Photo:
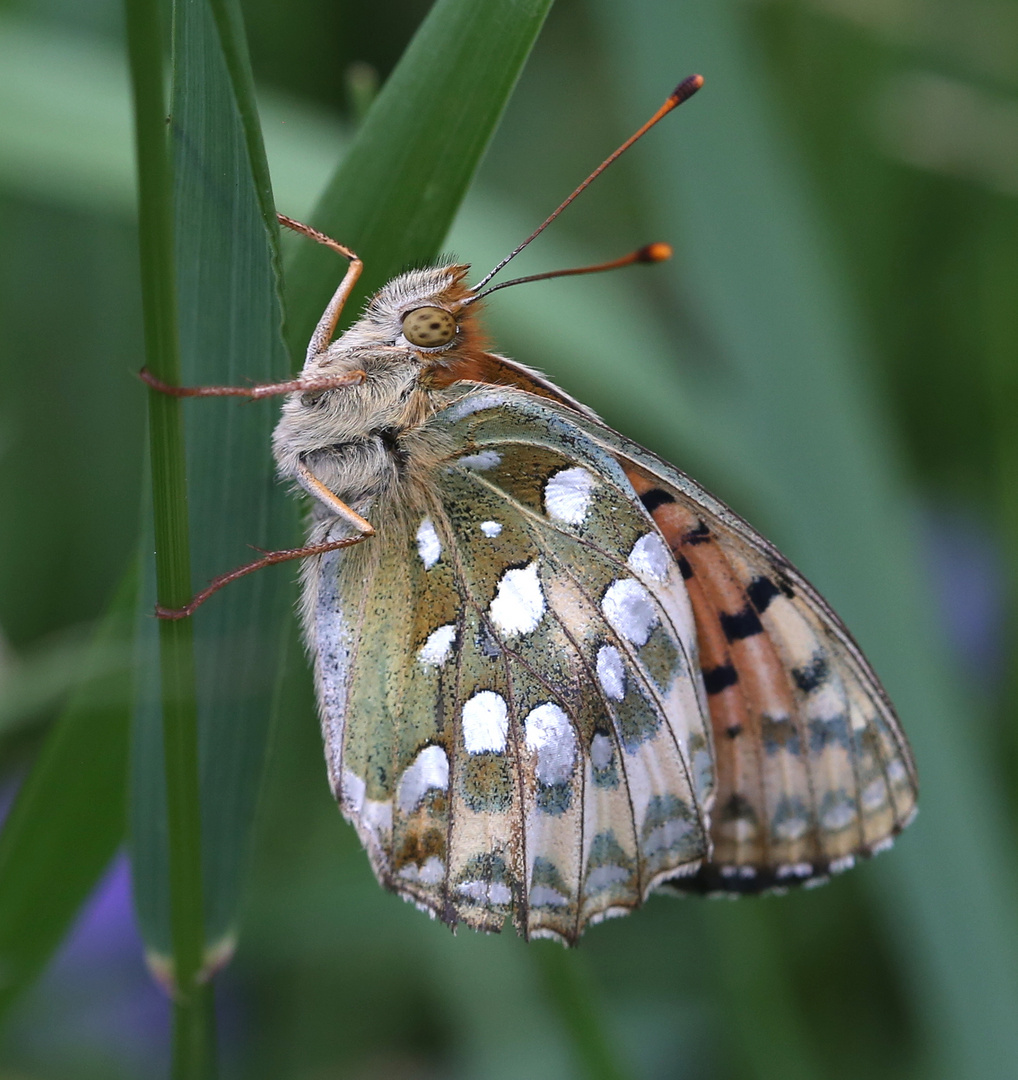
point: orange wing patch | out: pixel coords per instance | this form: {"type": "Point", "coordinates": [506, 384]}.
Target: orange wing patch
{"type": "Point", "coordinates": [809, 773]}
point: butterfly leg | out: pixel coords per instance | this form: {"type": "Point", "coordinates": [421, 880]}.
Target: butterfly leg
{"type": "Point", "coordinates": [317, 490]}
{"type": "Point", "coordinates": [320, 339]}
{"type": "Point", "coordinates": [270, 558]}
{"type": "Point", "coordinates": [330, 317]}
{"type": "Point", "coordinates": [304, 384]}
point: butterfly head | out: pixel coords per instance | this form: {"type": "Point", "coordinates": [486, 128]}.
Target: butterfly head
{"type": "Point", "coordinates": [425, 312]}
{"type": "Point", "coordinates": [418, 331]}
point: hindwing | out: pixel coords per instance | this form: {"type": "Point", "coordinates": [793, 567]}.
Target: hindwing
{"type": "Point", "coordinates": [510, 683]}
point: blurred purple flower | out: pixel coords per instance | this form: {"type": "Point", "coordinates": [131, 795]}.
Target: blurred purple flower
{"type": "Point", "coordinates": [969, 581]}
{"type": "Point", "coordinates": [95, 1003]}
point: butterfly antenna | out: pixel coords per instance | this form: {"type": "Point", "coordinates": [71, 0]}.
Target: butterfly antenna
{"type": "Point", "coordinates": [649, 253]}
{"type": "Point", "coordinates": [683, 92]}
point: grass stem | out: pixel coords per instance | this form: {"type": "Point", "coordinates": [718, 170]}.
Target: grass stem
{"type": "Point", "coordinates": [192, 1028]}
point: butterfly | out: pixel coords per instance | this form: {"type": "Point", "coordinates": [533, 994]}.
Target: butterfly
{"type": "Point", "coordinates": [554, 673]}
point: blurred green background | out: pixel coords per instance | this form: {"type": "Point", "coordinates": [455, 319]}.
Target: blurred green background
{"type": "Point", "coordinates": [834, 350]}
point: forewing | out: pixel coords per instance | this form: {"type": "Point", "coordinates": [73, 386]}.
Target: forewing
{"type": "Point", "coordinates": [514, 717]}
{"type": "Point", "coordinates": [813, 767]}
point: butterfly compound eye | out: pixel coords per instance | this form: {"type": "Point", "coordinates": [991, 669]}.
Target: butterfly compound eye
{"type": "Point", "coordinates": [429, 327]}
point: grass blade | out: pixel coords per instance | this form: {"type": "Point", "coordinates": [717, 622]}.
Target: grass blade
{"type": "Point", "coordinates": [179, 812]}
{"type": "Point", "coordinates": [394, 196]}
{"type": "Point", "coordinates": [569, 988]}
{"type": "Point", "coordinates": [225, 248]}
{"type": "Point", "coordinates": [68, 818]}
{"type": "Point", "coordinates": [230, 333]}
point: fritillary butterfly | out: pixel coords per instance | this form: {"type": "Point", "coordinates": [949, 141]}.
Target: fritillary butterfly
{"type": "Point", "coordinates": [554, 673]}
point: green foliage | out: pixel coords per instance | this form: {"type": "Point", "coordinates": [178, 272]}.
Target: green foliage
{"type": "Point", "coordinates": [394, 196]}
{"type": "Point", "coordinates": [832, 351]}
{"type": "Point", "coordinates": [68, 817]}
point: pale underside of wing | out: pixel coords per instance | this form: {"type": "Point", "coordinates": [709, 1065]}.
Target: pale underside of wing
{"type": "Point", "coordinates": [813, 768]}
{"type": "Point", "coordinates": [509, 682]}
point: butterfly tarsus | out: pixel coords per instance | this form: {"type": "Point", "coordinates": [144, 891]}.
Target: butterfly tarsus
{"type": "Point", "coordinates": [314, 487]}
{"type": "Point", "coordinates": [270, 558]}
{"type": "Point", "coordinates": [319, 340]}
{"type": "Point", "coordinates": [318, 237]}
{"type": "Point", "coordinates": [304, 384]}
{"type": "Point", "coordinates": [326, 327]}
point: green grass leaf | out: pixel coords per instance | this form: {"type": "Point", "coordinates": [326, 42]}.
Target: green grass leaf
{"type": "Point", "coordinates": [394, 196]}
{"type": "Point", "coordinates": [69, 815]}
{"type": "Point", "coordinates": [170, 712]}
{"type": "Point", "coordinates": [229, 333]}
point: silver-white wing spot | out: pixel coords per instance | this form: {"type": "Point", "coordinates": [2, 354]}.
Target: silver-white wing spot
{"type": "Point", "coordinates": [896, 772]}
{"type": "Point", "coordinates": [376, 818]}
{"type": "Point", "coordinates": [874, 795]}
{"type": "Point", "coordinates": [667, 834]}
{"type": "Point", "coordinates": [601, 750]}
{"type": "Point", "coordinates": [791, 829]}
{"type": "Point", "coordinates": [793, 870]}
{"type": "Point", "coordinates": [567, 495]}
{"type": "Point", "coordinates": [650, 558]}
{"type": "Point", "coordinates": [549, 734]}
{"type": "Point", "coordinates": [438, 648]}
{"type": "Point", "coordinates": [491, 528]}
{"type": "Point", "coordinates": [486, 459]}
{"type": "Point", "coordinates": [519, 602]}
{"type": "Point", "coordinates": [354, 790]}
{"type": "Point", "coordinates": [545, 896]}
{"type": "Point", "coordinates": [431, 873]}
{"type": "Point", "coordinates": [485, 723]}
{"type": "Point", "coordinates": [490, 892]}
{"type": "Point", "coordinates": [429, 547]}
{"type": "Point", "coordinates": [603, 876]}
{"type": "Point", "coordinates": [840, 814]}
{"type": "Point", "coordinates": [629, 610]}
{"type": "Point", "coordinates": [430, 769]}
{"type": "Point", "coordinates": [610, 672]}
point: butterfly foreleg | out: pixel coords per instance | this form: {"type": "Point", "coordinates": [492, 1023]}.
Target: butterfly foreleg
{"type": "Point", "coordinates": [317, 490]}
{"type": "Point", "coordinates": [326, 327]}
{"type": "Point", "coordinates": [314, 487]}
{"type": "Point", "coordinates": [319, 342]}
{"type": "Point", "coordinates": [304, 384]}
